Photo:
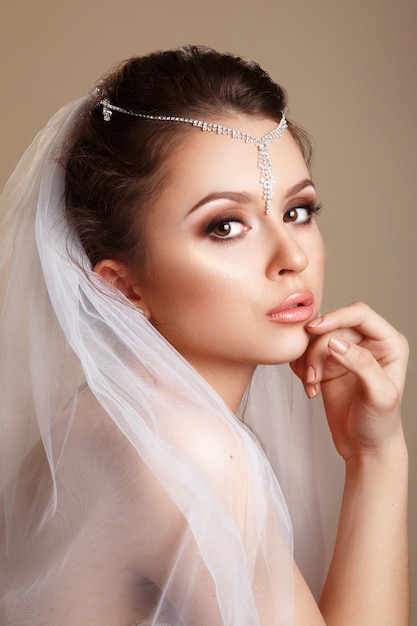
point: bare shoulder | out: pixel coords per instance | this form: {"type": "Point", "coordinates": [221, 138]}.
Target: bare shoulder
{"type": "Point", "coordinates": [103, 451]}
{"type": "Point", "coordinates": [211, 440]}
{"type": "Point", "coordinates": [110, 528]}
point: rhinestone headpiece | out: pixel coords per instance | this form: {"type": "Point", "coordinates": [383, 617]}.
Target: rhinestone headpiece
{"type": "Point", "coordinates": [262, 143]}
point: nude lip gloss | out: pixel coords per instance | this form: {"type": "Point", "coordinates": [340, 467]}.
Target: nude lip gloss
{"type": "Point", "coordinates": [298, 307]}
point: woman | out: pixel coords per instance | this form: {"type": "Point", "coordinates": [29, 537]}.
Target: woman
{"type": "Point", "coordinates": [157, 455]}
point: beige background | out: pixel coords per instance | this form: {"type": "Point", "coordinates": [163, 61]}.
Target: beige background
{"type": "Point", "coordinates": [350, 70]}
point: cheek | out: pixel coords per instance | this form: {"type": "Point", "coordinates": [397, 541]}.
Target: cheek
{"type": "Point", "coordinates": [314, 247]}
{"type": "Point", "coordinates": [319, 256]}
{"type": "Point", "coordinates": [317, 260]}
{"type": "Point", "coordinates": [322, 257]}
{"type": "Point", "coordinates": [176, 285]}
{"type": "Point", "coordinates": [193, 288]}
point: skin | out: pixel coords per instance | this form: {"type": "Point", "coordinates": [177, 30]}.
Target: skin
{"type": "Point", "coordinates": [212, 300]}
{"type": "Point", "coordinates": [210, 295]}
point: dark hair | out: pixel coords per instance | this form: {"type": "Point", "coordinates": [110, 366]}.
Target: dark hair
{"type": "Point", "coordinates": [114, 169]}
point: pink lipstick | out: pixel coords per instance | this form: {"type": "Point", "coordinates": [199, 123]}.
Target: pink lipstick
{"type": "Point", "coordinates": [298, 307]}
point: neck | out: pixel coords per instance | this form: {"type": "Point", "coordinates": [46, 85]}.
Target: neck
{"type": "Point", "coordinates": [229, 380]}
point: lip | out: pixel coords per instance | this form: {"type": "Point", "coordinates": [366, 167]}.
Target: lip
{"type": "Point", "coordinates": [298, 307]}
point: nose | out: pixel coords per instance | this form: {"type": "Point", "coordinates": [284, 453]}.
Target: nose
{"type": "Point", "coordinates": [287, 254]}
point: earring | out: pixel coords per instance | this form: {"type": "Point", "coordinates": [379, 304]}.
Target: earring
{"type": "Point", "coordinates": [140, 310]}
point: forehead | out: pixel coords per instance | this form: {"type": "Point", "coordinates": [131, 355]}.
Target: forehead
{"type": "Point", "coordinates": [204, 162]}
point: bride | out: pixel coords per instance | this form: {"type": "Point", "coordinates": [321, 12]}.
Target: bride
{"type": "Point", "coordinates": [162, 343]}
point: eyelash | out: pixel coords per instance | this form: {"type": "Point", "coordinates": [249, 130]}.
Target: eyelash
{"type": "Point", "coordinates": [219, 221]}
{"type": "Point", "coordinates": [312, 209]}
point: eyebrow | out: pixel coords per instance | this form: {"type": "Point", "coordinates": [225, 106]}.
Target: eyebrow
{"type": "Point", "coordinates": [307, 182]}
{"type": "Point", "coordinates": [243, 197]}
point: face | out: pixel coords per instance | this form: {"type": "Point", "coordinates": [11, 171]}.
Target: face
{"type": "Point", "coordinates": [229, 286]}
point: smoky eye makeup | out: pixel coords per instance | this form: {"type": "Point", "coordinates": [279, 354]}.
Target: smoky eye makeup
{"type": "Point", "coordinates": [225, 227]}
{"type": "Point", "coordinates": [302, 213]}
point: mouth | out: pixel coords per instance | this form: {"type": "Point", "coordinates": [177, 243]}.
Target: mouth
{"type": "Point", "coordinates": [298, 307]}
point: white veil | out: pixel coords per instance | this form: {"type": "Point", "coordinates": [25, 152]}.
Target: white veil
{"type": "Point", "coordinates": [109, 438]}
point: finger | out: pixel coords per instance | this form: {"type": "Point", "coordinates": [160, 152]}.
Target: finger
{"type": "Point", "coordinates": [388, 346]}
{"type": "Point", "coordinates": [378, 391]}
{"type": "Point", "coordinates": [357, 315]}
{"type": "Point", "coordinates": [308, 376]}
{"type": "Point", "coordinates": [310, 365]}
{"type": "Point", "coordinates": [316, 357]}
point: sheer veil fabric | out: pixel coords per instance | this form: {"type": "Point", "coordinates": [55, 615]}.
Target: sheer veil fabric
{"type": "Point", "coordinates": [130, 493]}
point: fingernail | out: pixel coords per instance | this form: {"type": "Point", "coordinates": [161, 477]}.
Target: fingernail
{"type": "Point", "coordinates": [336, 344]}
{"type": "Point", "coordinates": [315, 322]}
{"type": "Point", "coordinates": [311, 375]}
{"type": "Point", "coordinates": [312, 390]}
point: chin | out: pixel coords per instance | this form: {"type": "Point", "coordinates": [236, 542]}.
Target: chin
{"type": "Point", "coordinates": [288, 350]}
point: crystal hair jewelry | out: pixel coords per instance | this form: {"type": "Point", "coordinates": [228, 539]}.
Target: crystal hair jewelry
{"type": "Point", "coordinates": [262, 143]}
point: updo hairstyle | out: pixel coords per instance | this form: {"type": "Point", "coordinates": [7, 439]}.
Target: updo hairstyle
{"type": "Point", "coordinates": [114, 169]}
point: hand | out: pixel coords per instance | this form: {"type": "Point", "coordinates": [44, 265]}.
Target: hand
{"type": "Point", "coordinates": [358, 362]}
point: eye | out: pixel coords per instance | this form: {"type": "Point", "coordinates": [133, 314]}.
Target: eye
{"type": "Point", "coordinates": [301, 214]}
{"type": "Point", "coordinates": [226, 229]}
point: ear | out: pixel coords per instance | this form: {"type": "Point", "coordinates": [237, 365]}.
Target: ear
{"type": "Point", "coordinates": [117, 275]}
